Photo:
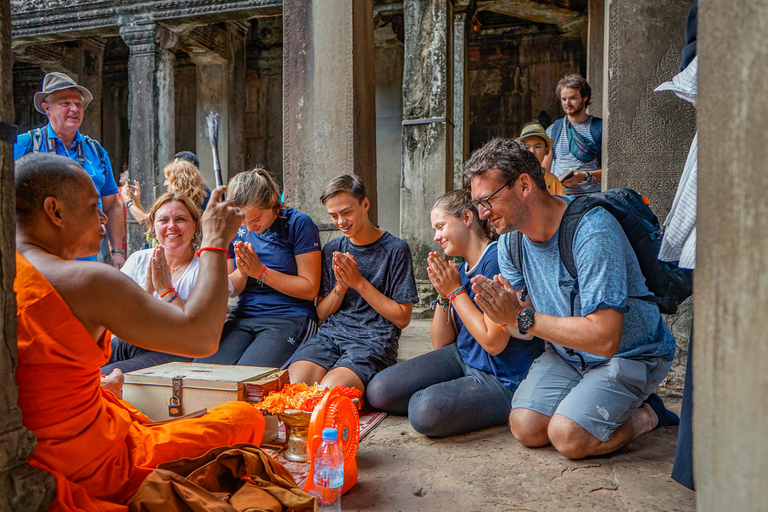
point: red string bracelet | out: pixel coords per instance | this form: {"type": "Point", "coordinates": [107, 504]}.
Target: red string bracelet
{"type": "Point", "coordinates": [456, 293]}
{"type": "Point", "coordinates": [200, 250]}
{"type": "Point", "coordinates": [170, 290]}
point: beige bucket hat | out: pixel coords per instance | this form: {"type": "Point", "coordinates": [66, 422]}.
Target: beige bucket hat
{"type": "Point", "coordinates": [53, 82]}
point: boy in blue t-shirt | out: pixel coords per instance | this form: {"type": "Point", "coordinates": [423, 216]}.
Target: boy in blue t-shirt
{"type": "Point", "coordinates": [366, 296]}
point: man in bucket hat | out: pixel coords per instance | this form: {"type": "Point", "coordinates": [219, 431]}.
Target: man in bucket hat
{"type": "Point", "coordinates": [64, 102]}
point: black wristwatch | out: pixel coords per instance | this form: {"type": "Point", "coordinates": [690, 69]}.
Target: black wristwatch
{"type": "Point", "coordinates": [589, 177]}
{"type": "Point", "coordinates": [117, 251]}
{"type": "Point", "coordinates": [525, 321]}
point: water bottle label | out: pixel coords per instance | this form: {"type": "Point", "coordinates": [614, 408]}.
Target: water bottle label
{"type": "Point", "coordinates": [329, 477]}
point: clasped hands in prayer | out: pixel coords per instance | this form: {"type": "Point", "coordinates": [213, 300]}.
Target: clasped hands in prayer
{"type": "Point", "coordinates": [158, 273]}
{"type": "Point", "coordinates": [444, 274]}
{"type": "Point", "coordinates": [346, 270]}
{"type": "Point", "coordinates": [498, 299]}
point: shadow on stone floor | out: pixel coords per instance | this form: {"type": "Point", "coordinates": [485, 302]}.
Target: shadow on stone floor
{"type": "Point", "coordinates": [402, 470]}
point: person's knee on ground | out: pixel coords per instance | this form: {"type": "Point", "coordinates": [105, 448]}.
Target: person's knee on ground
{"type": "Point", "coordinates": [529, 427]}
{"type": "Point", "coordinates": [571, 439]}
{"type": "Point", "coordinates": [425, 418]}
{"type": "Point", "coordinates": [379, 394]}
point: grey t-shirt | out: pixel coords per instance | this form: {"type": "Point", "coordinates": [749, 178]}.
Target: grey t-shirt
{"type": "Point", "coordinates": [386, 264]}
{"type": "Point", "coordinates": [564, 160]}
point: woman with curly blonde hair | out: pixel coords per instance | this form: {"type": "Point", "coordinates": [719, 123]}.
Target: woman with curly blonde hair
{"type": "Point", "coordinates": [181, 177]}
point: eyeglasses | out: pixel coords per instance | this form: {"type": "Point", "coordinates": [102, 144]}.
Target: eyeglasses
{"type": "Point", "coordinates": [485, 202]}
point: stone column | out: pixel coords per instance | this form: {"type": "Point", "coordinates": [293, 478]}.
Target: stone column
{"type": "Point", "coordinates": [730, 352]}
{"type": "Point", "coordinates": [91, 68]}
{"type": "Point", "coordinates": [329, 117]}
{"type": "Point", "coordinates": [150, 105]}
{"type": "Point", "coordinates": [646, 134]}
{"type": "Point", "coordinates": [595, 51]}
{"type": "Point", "coordinates": [460, 97]}
{"type": "Point", "coordinates": [22, 488]}
{"type": "Point", "coordinates": [427, 125]}
{"type": "Point", "coordinates": [213, 77]}
{"type": "Point", "coordinates": [237, 97]}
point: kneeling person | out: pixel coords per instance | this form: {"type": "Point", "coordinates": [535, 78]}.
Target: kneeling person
{"type": "Point", "coordinates": [607, 348]}
{"type": "Point", "coordinates": [366, 296]}
{"type": "Point", "coordinates": [467, 382]}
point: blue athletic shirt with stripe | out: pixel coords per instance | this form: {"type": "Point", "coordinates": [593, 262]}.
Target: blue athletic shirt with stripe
{"type": "Point", "coordinates": [293, 233]}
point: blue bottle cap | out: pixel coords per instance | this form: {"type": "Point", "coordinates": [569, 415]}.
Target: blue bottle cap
{"type": "Point", "coordinates": [330, 434]}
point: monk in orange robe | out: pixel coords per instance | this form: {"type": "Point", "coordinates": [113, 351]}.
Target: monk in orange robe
{"type": "Point", "coordinates": [93, 443]}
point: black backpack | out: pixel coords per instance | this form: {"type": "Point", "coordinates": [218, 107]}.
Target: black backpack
{"type": "Point", "coordinates": [669, 284]}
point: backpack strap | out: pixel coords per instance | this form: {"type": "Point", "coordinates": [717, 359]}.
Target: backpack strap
{"type": "Point", "coordinates": [557, 129]}
{"type": "Point", "coordinates": [515, 243]}
{"type": "Point", "coordinates": [596, 129]}
{"type": "Point", "coordinates": [35, 140]}
{"type": "Point", "coordinates": [99, 151]}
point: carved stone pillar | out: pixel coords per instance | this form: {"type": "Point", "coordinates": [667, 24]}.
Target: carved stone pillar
{"type": "Point", "coordinates": [329, 118]}
{"type": "Point", "coordinates": [91, 68]}
{"type": "Point", "coordinates": [427, 125]}
{"type": "Point", "coordinates": [22, 488]}
{"type": "Point", "coordinates": [644, 41]}
{"type": "Point", "coordinates": [460, 98]}
{"type": "Point", "coordinates": [150, 105]}
{"type": "Point", "coordinates": [212, 95]}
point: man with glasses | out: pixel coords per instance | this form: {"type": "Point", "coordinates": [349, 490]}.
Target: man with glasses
{"type": "Point", "coordinates": [590, 393]}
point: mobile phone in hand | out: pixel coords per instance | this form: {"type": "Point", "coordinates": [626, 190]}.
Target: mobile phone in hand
{"type": "Point", "coordinates": [568, 174]}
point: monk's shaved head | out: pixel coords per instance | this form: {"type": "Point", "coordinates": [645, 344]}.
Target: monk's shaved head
{"type": "Point", "coordinates": [42, 175]}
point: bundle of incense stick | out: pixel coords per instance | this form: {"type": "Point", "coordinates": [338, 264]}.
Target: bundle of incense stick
{"type": "Point", "coordinates": [213, 138]}
{"type": "Point", "coordinates": [256, 390]}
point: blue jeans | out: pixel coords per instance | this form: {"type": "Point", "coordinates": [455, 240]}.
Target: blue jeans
{"type": "Point", "coordinates": [441, 395]}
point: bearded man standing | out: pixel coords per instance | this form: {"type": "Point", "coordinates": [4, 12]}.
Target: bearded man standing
{"type": "Point", "coordinates": [576, 156]}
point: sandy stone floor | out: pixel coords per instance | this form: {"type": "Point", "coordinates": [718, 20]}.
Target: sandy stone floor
{"type": "Point", "coordinates": [401, 470]}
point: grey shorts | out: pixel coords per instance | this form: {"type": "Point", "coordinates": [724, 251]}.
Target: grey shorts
{"type": "Point", "coordinates": [599, 399]}
{"type": "Point", "coordinates": [365, 360]}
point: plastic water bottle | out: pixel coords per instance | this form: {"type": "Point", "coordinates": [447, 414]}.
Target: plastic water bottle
{"type": "Point", "coordinates": [329, 472]}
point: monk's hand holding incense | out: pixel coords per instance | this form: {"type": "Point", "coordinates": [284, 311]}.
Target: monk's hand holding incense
{"type": "Point", "coordinates": [220, 221]}
{"type": "Point", "coordinates": [443, 274]}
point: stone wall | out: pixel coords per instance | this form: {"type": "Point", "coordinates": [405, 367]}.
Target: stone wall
{"type": "Point", "coordinates": [648, 134]}
{"type": "Point", "coordinates": [513, 81]}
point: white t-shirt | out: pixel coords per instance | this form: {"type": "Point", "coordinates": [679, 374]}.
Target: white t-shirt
{"type": "Point", "coordinates": [136, 268]}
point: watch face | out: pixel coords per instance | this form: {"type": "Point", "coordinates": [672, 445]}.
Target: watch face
{"type": "Point", "coordinates": [525, 321]}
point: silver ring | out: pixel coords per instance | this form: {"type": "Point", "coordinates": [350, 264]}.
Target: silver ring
{"type": "Point", "coordinates": [157, 268]}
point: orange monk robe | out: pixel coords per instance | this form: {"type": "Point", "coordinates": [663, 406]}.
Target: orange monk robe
{"type": "Point", "coordinates": [93, 443]}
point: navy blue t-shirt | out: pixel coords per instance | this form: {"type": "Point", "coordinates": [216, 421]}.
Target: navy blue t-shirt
{"type": "Point", "coordinates": [292, 233]}
{"type": "Point", "coordinates": [387, 265]}
{"type": "Point", "coordinates": [511, 366]}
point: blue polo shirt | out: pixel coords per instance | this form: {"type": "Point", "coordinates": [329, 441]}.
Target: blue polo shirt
{"type": "Point", "coordinates": [103, 178]}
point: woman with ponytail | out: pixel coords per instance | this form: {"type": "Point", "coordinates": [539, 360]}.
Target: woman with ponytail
{"type": "Point", "coordinates": [274, 266]}
{"type": "Point", "coordinates": [467, 382]}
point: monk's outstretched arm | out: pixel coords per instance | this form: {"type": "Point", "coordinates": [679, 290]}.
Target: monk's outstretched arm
{"type": "Point", "coordinates": [124, 308]}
